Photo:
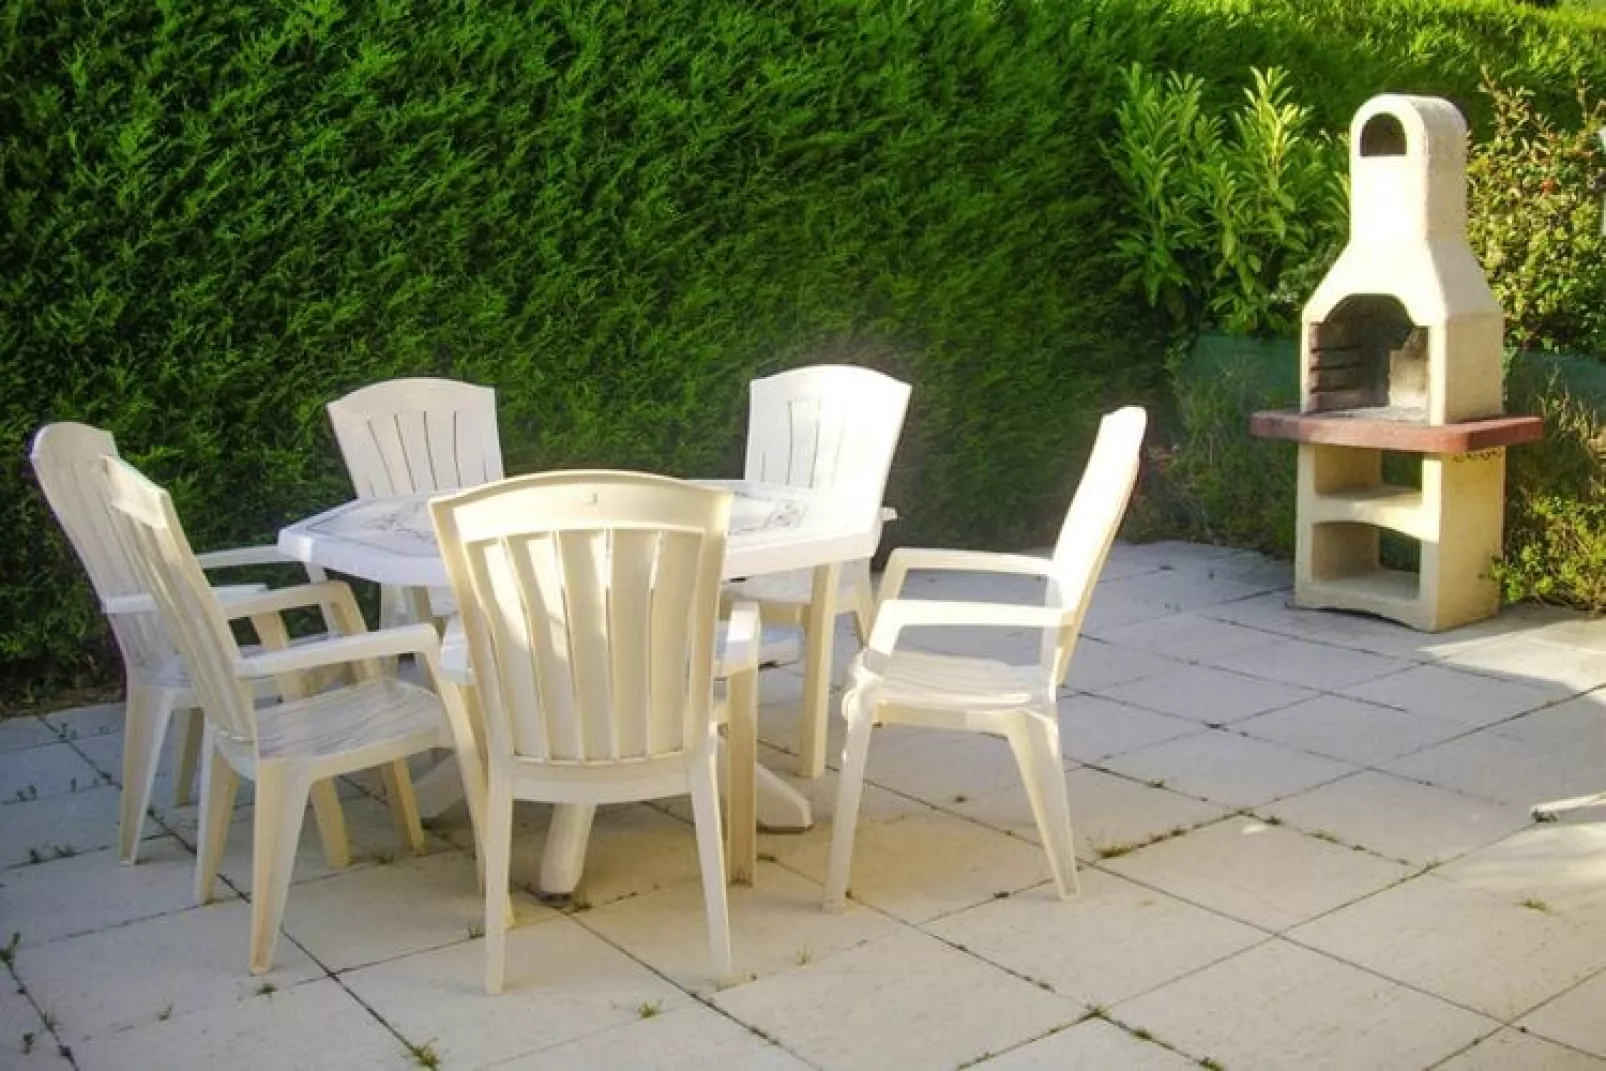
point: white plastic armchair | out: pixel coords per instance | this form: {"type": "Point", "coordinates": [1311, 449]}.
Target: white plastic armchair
{"type": "Point", "coordinates": [589, 602]}
{"type": "Point", "coordinates": [834, 429]}
{"type": "Point", "coordinates": [304, 740]}
{"type": "Point", "coordinates": [903, 686]}
{"type": "Point", "coordinates": [66, 460]}
{"type": "Point", "coordinates": [405, 436]}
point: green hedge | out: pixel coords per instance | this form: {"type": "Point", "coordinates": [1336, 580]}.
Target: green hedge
{"type": "Point", "coordinates": [220, 215]}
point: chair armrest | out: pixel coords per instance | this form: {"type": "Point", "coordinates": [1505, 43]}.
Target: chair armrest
{"type": "Point", "coordinates": [277, 600]}
{"type": "Point", "coordinates": [410, 639]}
{"type": "Point", "coordinates": [905, 559]}
{"type": "Point", "coordinates": [894, 615]}
{"type": "Point", "coordinates": [743, 631]}
{"type": "Point", "coordinates": [236, 556]}
{"type": "Point", "coordinates": [142, 603]}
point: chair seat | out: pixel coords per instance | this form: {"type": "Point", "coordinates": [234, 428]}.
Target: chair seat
{"type": "Point", "coordinates": [173, 674]}
{"type": "Point", "coordinates": [347, 719]}
{"type": "Point", "coordinates": [951, 682]}
{"type": "Point", "coordinates": [778, 644]}
{"type": "Point", "coordinates": [792, 588]}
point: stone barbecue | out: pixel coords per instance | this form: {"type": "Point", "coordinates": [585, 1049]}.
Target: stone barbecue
{"type": "Point", "coordinates": [1401, 351]}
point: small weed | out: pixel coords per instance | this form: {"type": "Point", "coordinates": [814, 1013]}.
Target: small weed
{"type": "Point", "coordinates": [1273, 820]}
{"type": "Point", "coordinates": [49, 1021]}
{"type": "Point", "coordinates": [384, 858]}
{"type": "Point", "coordinates": [475, 929]}
{"type": "Point", "coordinates": [649, 1008]}
{"type": "Point", "coordinates": [1044, 985]}
{"type": "Point", "coordinates": [27, 1043]}
{"type": "Point", "coordinates": [267, 989]}
{"type": "Point", "coordinates": [64, 1052]}
{"type": "Point", "coordinates": [1535, 904]}
{"type": "Point", "coordinates": [1142, 1034]}
{"type": "Point", "coordinates": [35, 856]}
{"type": "Point", "coordinates": [1211, 1065]}
{"type": "Point", "coordinates": [1097, 1011]}
{"type": "Point", "coordinates": [1158, 782]}
{"type": "Point", "coordinates": [767, 857]}
{"type": "Point", "coordinates": [1115, 851]}
{"type": "Point", "coordinates": [8, 954]}
{"type": "Point", "coordinates": [165, 1014]}
{"type": "Point", "coordinates": [424, 1055]}
{"type": "Point", "coordinates": [1322, 834]}
{"type": "Point", "coordinates": [64, 851]}
{"type": "Point", "coordinates": [24, 795]}
{"type": "Point", "coordinates": [803, 956]}
{"type": "Point", "coordinates": [960, 797]}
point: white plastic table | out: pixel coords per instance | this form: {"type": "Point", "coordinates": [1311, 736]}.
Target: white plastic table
{"type": "Point", "coordinates": [774, 528]}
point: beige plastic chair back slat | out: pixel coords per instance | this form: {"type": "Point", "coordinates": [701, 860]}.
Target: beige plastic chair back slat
{"type": "Point", "coordinates": [591, 622]}
{"type": "Point", "coordinates": [66, 459]}
{"type": "Point", "coordinates": [1090, 526]}
{"type": "Point", "coordinates": [410, 435]}
{"type": "Point", "coordinates": [833, 428]}
{"type": "Point", "coordinates": [143, 518]}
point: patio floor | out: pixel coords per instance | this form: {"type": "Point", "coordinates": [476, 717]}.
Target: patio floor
{"type": "Point", "coordinates": [1304, 838]}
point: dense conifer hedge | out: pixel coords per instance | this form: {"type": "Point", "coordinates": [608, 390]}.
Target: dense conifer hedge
{"type": "Point", "coordinates": [219, 215]}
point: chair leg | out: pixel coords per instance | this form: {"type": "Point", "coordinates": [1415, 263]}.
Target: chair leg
{"type": "Point", "coordinates": [741, 755]}
{"type": "Point", "coordinates": [219, 784]}
{"type": "Point", "coordinates": [464, 720]}
{"type": "Point", "coordinates": [281, 804]}
{"type": "Point", "coordinates": [704, 784]}
{"type": "Point", "coordinates": [398, 781]}
{"type": "Point", "coordinates": [863, 600]}
{"type": "Point", "coordinates": [819, 648]}
{"type": "Point", "coordinates": [850, 787]}
{"type": "Point", "coordinates": [331, 824]}
{"type": "Point", "coordinates": [189, 756]}
{"type": "Point", "coordinates": [145, 724]}
{"type": "Point", "coordinates": [498, 862]}
{"type": "Point", "coordinates": [1036, 744]}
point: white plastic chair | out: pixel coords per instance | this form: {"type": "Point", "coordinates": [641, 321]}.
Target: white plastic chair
{"type": "Point", "coordinates": [66, 459]}
{"type": "Point", "coordinates": [832, 428]}
{"type": "Point", "coordinates": [405, 436]}
{"type": "Point", "coordinates": [307, 738]}
{"type": "Point", "coordinates": [910, 687]}
{"type": "Point", "coordinates": [589, 600]}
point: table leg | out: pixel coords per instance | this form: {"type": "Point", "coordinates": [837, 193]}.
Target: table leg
{"type": "Point", "coordinates": [563, 860]}
{"type": "Point", "coordinates": [741, 747]}
{"type": "Point", "coordinates": [819, 634]}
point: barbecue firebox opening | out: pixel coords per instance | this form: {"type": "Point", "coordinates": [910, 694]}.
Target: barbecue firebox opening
{"type": "Point", "coordinates": [1369, 360]}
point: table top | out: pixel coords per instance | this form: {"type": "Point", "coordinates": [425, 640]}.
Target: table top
{"type": "Point", "coordinates": [774, 528]}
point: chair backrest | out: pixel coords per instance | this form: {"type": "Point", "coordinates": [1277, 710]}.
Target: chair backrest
{"type": "Point", "coordinates": [833, 428]}
{"type": "Point", "coordinates": [1090, 525]}
{"type": "Point", "coordinates": [589, 600]}
{"type": "Point", "coordinates": [408, 435]}
{"type": "Point", "coordinates": [144, 520]}
{"type": "Point", "coordinates": [66, 460]}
